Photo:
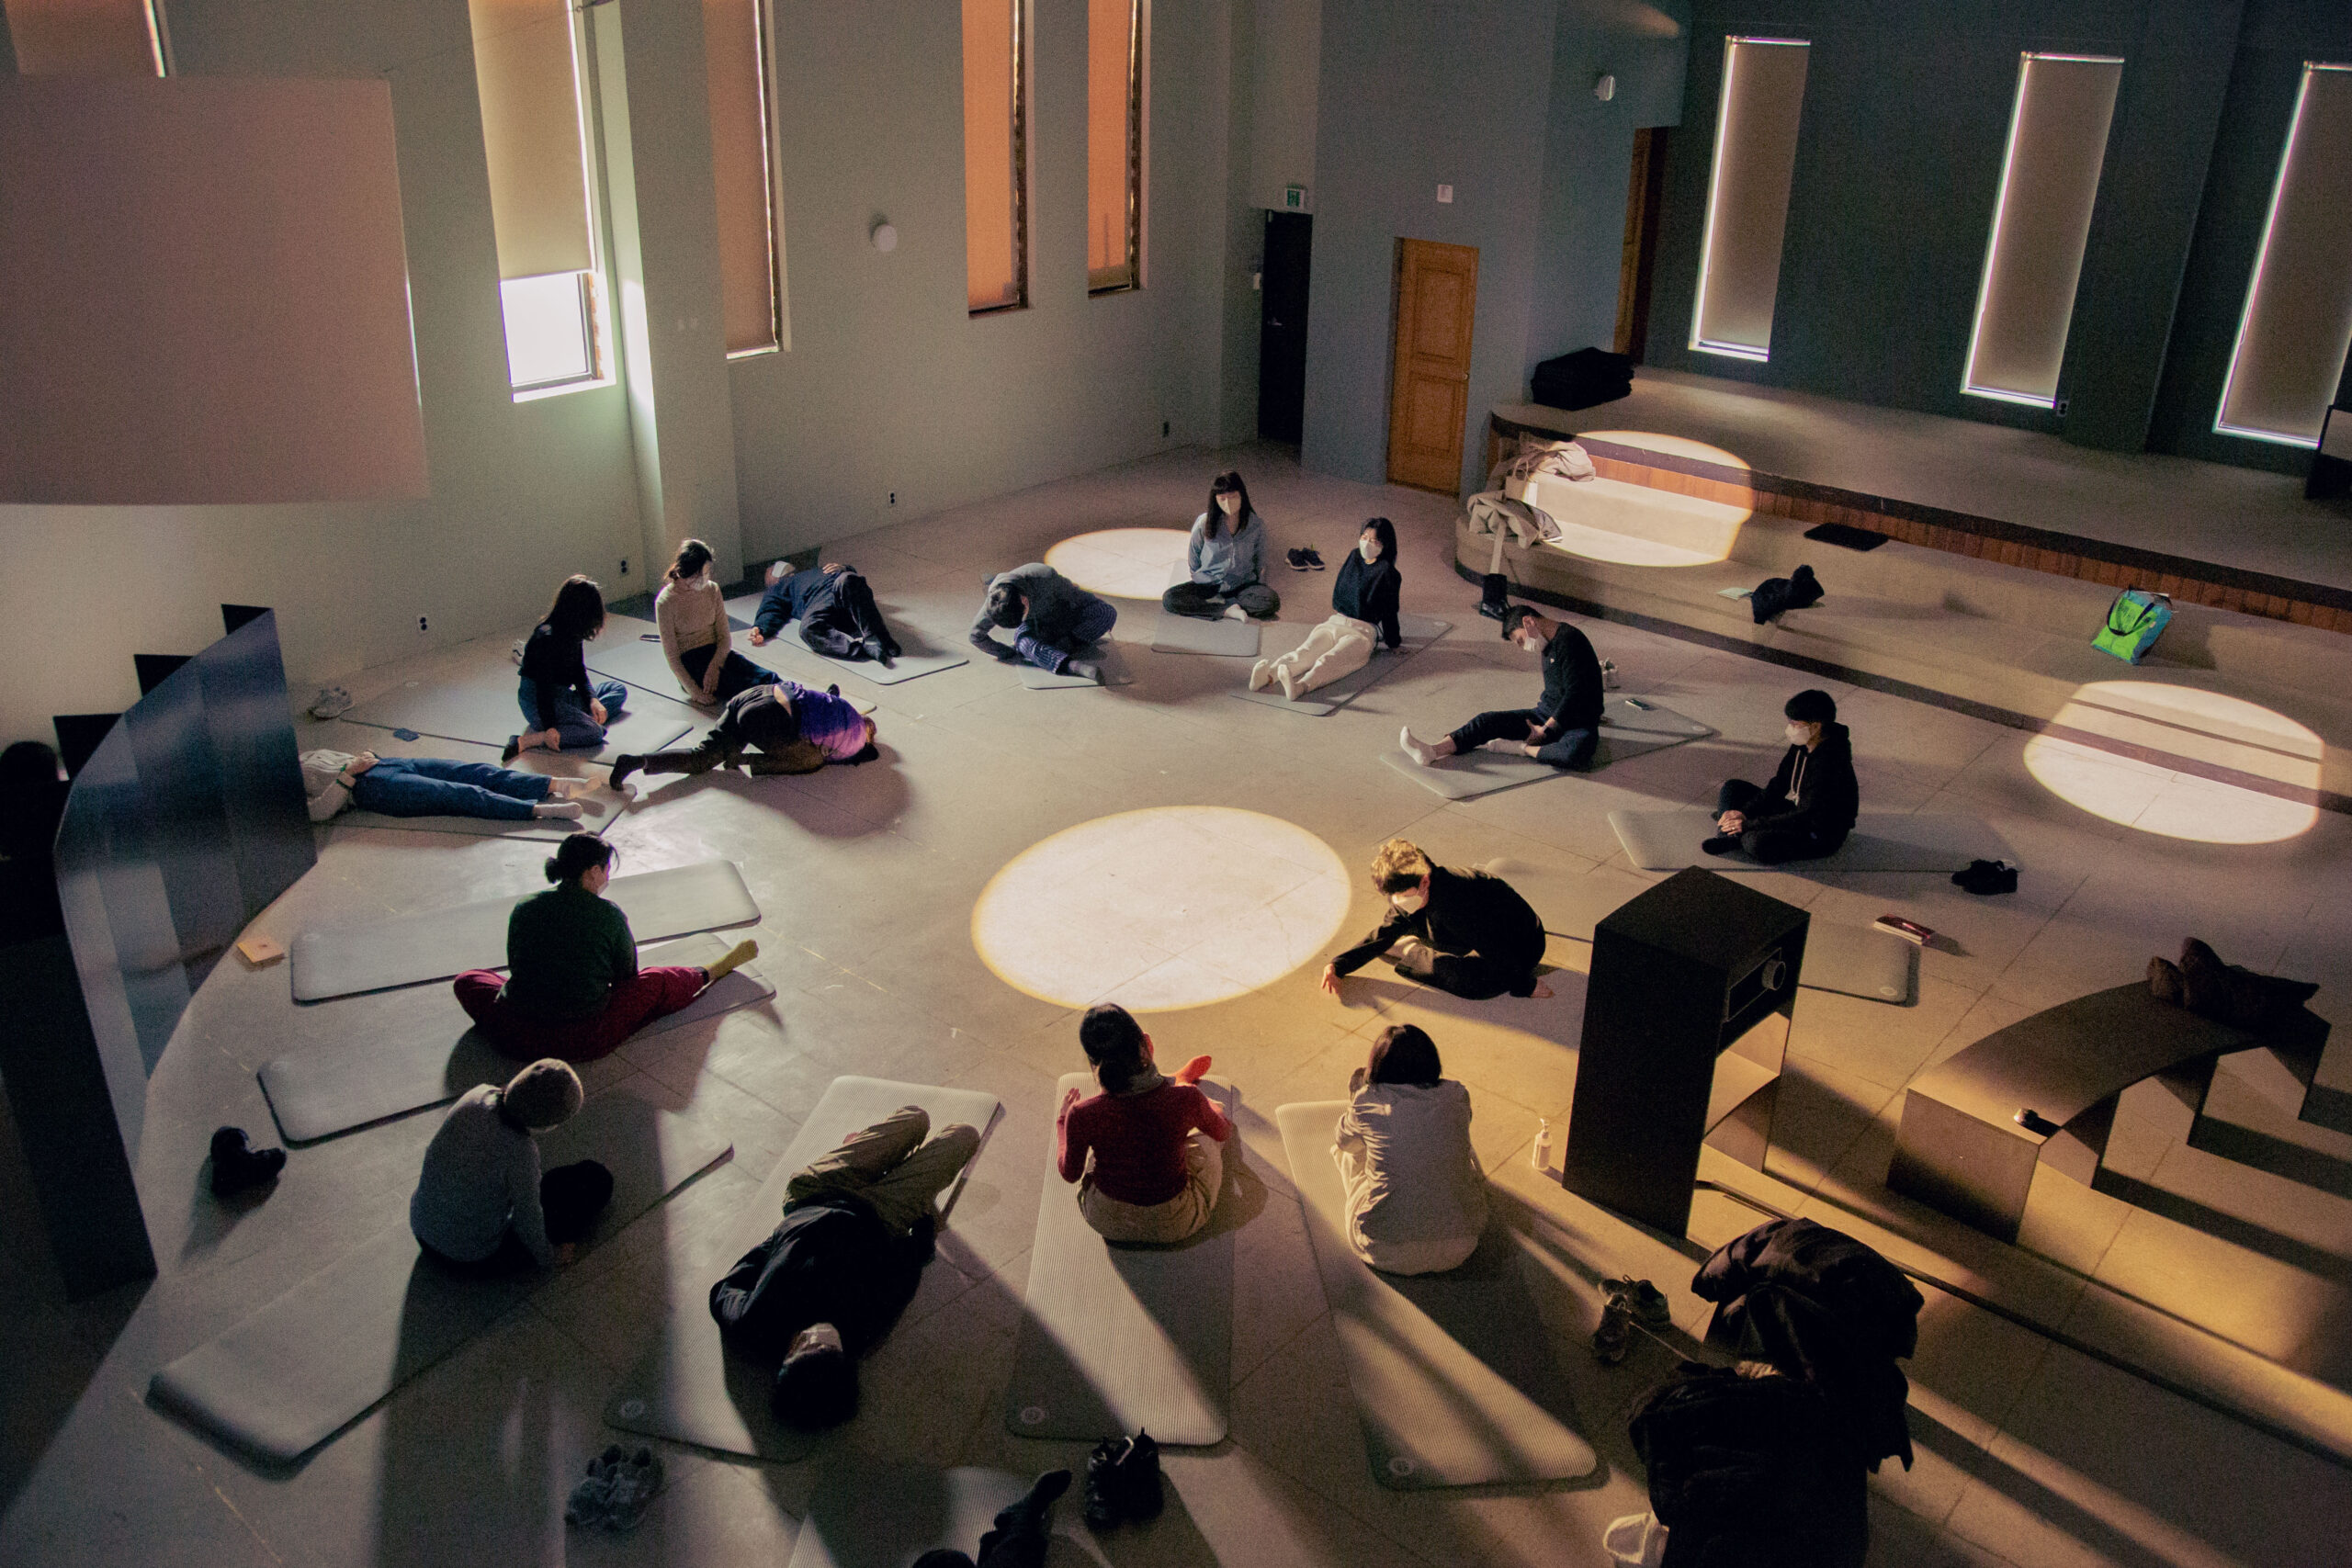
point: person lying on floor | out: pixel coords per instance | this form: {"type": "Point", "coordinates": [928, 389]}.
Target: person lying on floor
{"type": "Point", "coordinates": [1144, 1152]}
{"type": "Point", "coordinates": [573, 988]}
{"type": "Point", "coordinates": [785, 727]}
{"type": "Point", "coordinates": [481, 1200]}
{"type": "Point", "coordinates": [836, 608]}
{"type": "Point", "coordinates": [1416, 1195]}
{"type": "Point", "coordinates": [696, 637]}
{"type": "Point", "coordinates": [432, 787]}
{"type": "Point", "coordinates": [831, 1278]}
{"type": "Point", "coordinates": [1563, 727]}
{"type": "Point", "coordinates": [1364, 614]}
{"type": "Point", "coordinates": [1050, 617]}
{"type": "Point", "coordinates": [561, 708]}
{"type": "Point", "coordinates": [1018, 1539]}
{"type": "Point", "coordinates": [1811, 802]}
{"type": "Point", "coordinates": [1224, 560]}
{"type": "Point", "coordinates": [1461, 931]}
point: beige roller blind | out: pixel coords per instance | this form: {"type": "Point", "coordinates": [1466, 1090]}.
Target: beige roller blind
{"type": "Point", "coordinates": [2040, 223]}
{"type": "Point", "coordinates": [2298, 321]}
{"type": "Point", "coordinates": [84, 38]}
{"type": "Point", "coordinates": [528, 76]}
{"type": "Point", "coordinates": [995, 238]}
{"type": "Point", "coordinates": [1748, 195]}
{"type": "Point", "coordinates": [734, 44]}
{"type": "Point", "coordinates": [1114, 125]}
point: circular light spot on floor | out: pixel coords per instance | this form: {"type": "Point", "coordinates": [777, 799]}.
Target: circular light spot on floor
{"type": "Point", "coordinates": [1174, 907]}
{"type": "Point", "coordinates": [1667, 445]}
{"type": "Point", "coordinates": [1126, 563]}
{"type": "Point", "coordinates": [2180, 762]}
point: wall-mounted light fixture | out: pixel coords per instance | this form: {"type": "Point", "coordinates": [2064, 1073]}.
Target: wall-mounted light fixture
{"type": "Point", "coordinates": [885, 237]}
{"type": "Point", "coordinates": [1605, 87]}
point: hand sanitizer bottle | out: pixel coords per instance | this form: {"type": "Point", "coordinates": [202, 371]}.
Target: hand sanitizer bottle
{"type": "Point", "coordinates": [1542, 1159]}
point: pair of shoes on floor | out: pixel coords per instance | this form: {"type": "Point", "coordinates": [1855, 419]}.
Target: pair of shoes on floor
{"type": "Point", "coordinates": [332, 702]}
{"type": "Point", "coordinates": [1645, 1301]}
{"type": "Point", "coordinates": [1308, 559]}
{"type": "Point", "coordinates": [1122, 1482]}
{"type": "Point", "coordinates": [237, 1166]}
{"type": "Point", "coordinates": [616, 1490]}
{"type": "Point", "coordinates": [1614, 1337]}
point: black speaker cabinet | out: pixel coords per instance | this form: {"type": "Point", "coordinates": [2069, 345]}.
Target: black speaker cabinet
{"type": "Point", "coordinates": [1686, 1021]}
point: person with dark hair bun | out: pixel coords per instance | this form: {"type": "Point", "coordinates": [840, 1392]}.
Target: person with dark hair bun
{"type": "Point", "coordinates": [690, 612]}
{"type": "Point", "coordinates": [573, 991]}
{"type": "Point", "coordinates": [1145, 1151]}
{"type": "Point", "coordinates": [1811, 802]}
{"type": "Point", "coordinates": [1416, 1195]}
{"type": "Point", "coordinates": [560, 708]}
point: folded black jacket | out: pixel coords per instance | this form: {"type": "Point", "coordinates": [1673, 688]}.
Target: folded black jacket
{"type": "Point", "coordinates": [1746, 1472]}
{"type": "Point", "coordinates": [832, 1260]}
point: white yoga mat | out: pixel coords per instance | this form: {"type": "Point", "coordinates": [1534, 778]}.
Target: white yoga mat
{"type": "Point", "coordinates": [1668, 840]}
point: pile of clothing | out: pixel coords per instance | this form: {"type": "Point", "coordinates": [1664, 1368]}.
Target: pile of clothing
{"type": "Point", "coordinates": [2228, 993]}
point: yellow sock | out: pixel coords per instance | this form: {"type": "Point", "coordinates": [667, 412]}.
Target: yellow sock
{"type": "Point", "coordinates": [743, 953]}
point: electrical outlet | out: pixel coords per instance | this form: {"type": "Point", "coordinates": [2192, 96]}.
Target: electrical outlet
{"type": "Point", "coordinates": [894, 498]}
{"type": "Point", "coordinates": [420, 624]}
{"type": "Point", "coordinates": [624, 566]}
{"type": "Point", "coordinates": [1163, 430]}
{"type": "Point", "coordinates": [2059, 408]}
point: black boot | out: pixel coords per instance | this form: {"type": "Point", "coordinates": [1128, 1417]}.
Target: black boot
{"type": "Point", "coordinates": [236, 1166]}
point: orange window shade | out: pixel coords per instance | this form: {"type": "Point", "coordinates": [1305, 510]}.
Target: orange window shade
{"type": "Point", "coordinates": [528, 76]}
{"type": "Point", "coordinates": [1747, 195]}
{"type": "Point", "coordinates": [734, 44]}
{"type": "Point", "coordinates": [995, 224]}
{"type": "Point", "coordinates": [84, 38]}
{"type": "Point", "coordinates": [1113, 167]}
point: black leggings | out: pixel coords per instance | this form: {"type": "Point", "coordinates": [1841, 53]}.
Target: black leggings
{"type": "Point", "coordinates": [1773, 845]}
{"type": "Point", "coordinates": [738, 675]}
{"type": "Point", "coordinates": [1471, 976]}
{"type": "Point", "coordinates": [572, 1197]}
{"type": "Point", "coordinates": [1571, 749]}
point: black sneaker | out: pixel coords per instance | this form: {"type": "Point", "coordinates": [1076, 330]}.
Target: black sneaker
{"type": "Point", "coordinates": [1313, 559]}
{"type": "Point", "coordinates": [1298, 559]}
{"type": "Point", "coordinates": [1122, 1482]}
{"type": "Point", "coordinates": [1721, 844]}
{"type": "Point", "coordinates": [237, 1166]}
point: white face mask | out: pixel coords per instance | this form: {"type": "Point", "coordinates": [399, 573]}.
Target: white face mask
{"type": "Point", "coordinates": [1410, 903]}
{"type": "Point", "coordinates": [1369, 549]}
{"type": "Point", "coordinates": [1798, 733]}
{"type": "Point", "coordinates": [1230, 502]}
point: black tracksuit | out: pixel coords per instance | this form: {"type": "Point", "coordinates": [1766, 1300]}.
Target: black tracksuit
{"type": "Point", "coordinates": [836, 610]}
{"type": "Point", "coordinates": [1488, 940]}
{"type": "Point", "coordinates": [1807, 809]}
{"type": "Point", "coordinates": [1367, 591]}
{"type": "Point", "coordinates": [831, 1261]}
{"type": "Point", "coordinates": [1569, 710]}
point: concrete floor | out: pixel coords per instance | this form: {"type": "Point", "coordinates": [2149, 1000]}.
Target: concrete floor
{"type": "Point", "coordinates": [2031, 1450]}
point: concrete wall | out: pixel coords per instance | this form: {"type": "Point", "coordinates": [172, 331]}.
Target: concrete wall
{"type": "Point", "coordinates": [1285, 62]}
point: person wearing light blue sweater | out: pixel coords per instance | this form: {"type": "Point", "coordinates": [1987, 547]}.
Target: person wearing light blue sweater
{"type": "Point", "coordinates": [1226, 560]}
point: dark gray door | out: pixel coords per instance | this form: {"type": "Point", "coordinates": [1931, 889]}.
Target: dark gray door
{"type": "Point", "coordinates": [1281, 328]}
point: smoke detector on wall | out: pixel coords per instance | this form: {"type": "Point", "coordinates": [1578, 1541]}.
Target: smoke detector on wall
{"type": "Point", "coordinates": [885, 237]}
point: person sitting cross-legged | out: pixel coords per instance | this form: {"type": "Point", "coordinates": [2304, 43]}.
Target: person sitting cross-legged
{"type": "Point", "coordinates": [1811, 802]}
{"type": "Point", "coordinates": [481, 1200]}
{"type": "Point", "coordinates": [831, 1278]}
{"type": "Point", "coordinates": [1563, 727]}
{"type": "Point", "coordinates": [1462, 931]}
{"type": "Point", "coordinates": [1146, 1152]}
{"type": "Point", "coordinates": [782, 728]}
{"type": "Point", "coordinates": [1052, 620]}
{"type": "Point", "coordinates": [1417, 1196]}
{"type": "Point", "coordinates": [1224, 560]}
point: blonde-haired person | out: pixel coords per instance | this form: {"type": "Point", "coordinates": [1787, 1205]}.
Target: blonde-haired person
{"type": "Point", "coordinates": [697, 638]}
{"type": "Point", "coordinates": [1461, 931]}
{"type": "Point", "coordinates": [481, 1196]}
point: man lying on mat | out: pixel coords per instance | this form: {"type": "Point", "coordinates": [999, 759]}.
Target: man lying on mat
{"type": "Point", "coordinates": [1561, 728]}
{"type": "Point", "coordinates": [1810, 804]}
{"type": "Point", "coordinates": [836, 608]}
{"type": "Point", "coordinates": [432, 787]}
{"type": "Point", "coordinates": [1051, 618]}
{"type": "Point", "coordinates": [1462, 931]}
{"type": "Point", "coordinates": [481, 1201]}
{"type": "Point", "coordinates": [1145, 1151]}
{"type": "Point", "coordinates": [831, 1278]}
{"type": "Point", "coordinates": [781, 728]}
{"type": "Point", "coordinates": [573, 991]}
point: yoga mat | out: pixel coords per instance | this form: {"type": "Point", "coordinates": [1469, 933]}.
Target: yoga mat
{"type": "Point", "coordinates": [870, 1513]}
{"type": "Point", "coordinates": [1629, 727]}
{"type": "Point", "coordinates": [1118, 1337]}
{"type": "Point", "coordinates": [1105, 653]}
{"type": "Point", "coordinates": [433, 944]}
{"type": "Point", "coordinates": [685, 1388]}
{"type": "Point", "coordinates": [600, 810]}
{"type": "Point", "coordinates": [909, 665]}
{"type": "Point", "coordinates": [1570, 903]}
{"type": "Point", "coordinates": [316, 1094]}
{"type": "Point", "coordinates": [1453, 1374]}
{"type": "Point", "coordinates": [1418, 632]}
{"type": "Point", "coordinates": [639, 661]}
{"type": "Point", "coordinates": [1858, 961]}
{"type": "Point", "coordinates": [481, 708]}
{"type": "Point", "coordinates": [1668, 840]}
{"type": "Point", "coordinates": [326, 1352]}
{"type": "Point", "coordinates": [1189, 634]}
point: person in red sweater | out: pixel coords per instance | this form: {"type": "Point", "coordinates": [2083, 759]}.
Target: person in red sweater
{"type": "Point", "coordinates": [1144, 1152]}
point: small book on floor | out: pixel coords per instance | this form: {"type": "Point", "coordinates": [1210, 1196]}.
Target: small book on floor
{"type": "Point", "coordinates": [1909, 930]}
{"type": "Point", "coordinates": [258, 950]}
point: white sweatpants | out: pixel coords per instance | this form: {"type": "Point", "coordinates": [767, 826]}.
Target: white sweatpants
{"type": "Point", "coordinates": [1339, 646]}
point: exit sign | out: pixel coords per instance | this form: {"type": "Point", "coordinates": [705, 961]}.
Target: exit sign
{"type": "Point", "coordinates": [1294, 197]}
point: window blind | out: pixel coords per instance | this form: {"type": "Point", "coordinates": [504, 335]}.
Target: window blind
{"type": "Point", "coordinates": [995, 223]}
{"type": "Point", "coordinates": [84, 38]}
{"type": "Point", "coordinates": [528, 76]}
{"type": "Point", "coordinates": [1748, 195]}
{"type": "Point", "coordinates": [735, 50]}
{"type": "Point", "coordinates": [1113, 135]}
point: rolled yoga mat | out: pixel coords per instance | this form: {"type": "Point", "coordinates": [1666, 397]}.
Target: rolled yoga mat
{"type": "Point", "coordinates": [685, 1388]}
{"type": "Point", "coordinates": [317, 1093]}
{"type": "Point", "coordinates": [1417, 631]}
{"type": "Point", "coordinates": [433, 944]}
{"type": "Point", "coordinates": [1630, 727]}
{"type": "Point", "coordinates": [481, 708]}
{"type": "Point", "coordinates": [1117, 1338]}
{"type": "Point", "coordinates": [909, 665]}
{"type": "Point", "coordinates": [1453, 1374]}
{"type": "Point", "coordinates": [331, 1350]}
{"type": "Point", "coordinates": [1668, 840]}
{"type": "Point", "coordinates": [870, 1513]}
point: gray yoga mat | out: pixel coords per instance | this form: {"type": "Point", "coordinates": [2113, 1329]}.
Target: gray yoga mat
{"type": "Point", "coordinates": [1453, 1374]}
{"type": "Point", "coordinates": [1190, 634]}
{"type": "Point", "coordinates": [1106, 653]}
{"type": "Point", "coordinates": [326, 1352]}
{"type": "Point", "coordinates": [481, 708]}
{"type": "Point", "coordinates": [1569, 902]}
{"type": "Point", "coordinates": [685, 1388]}
{"type": "Point", "coordinates": [316, 1094]}
{"type": "Point", "coordinates": [911, 665]}
{"type": "Point", "coordinates": [870, 1513]}
{"type": "Point", "coordinates": [1418, 632]}
{"type": "Point", "coordinates": [1668, 840]}
{"type": "Point", "coordinates": [1629, 728]}
{"type": "Point", "coordinates": [433, 944]}
{"type": "Point", "coordinates": [1117, 1338]}
{"type": "Point", "coordinates": [638, 660]}
{"type": "Point", "coordinates": [599, 810]}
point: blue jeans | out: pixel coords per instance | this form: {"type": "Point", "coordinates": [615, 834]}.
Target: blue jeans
{"type": "Point", "coordinates": [1094, 623]}
{"type": "Point", "coordinates": [431, 786]}
{"type": "Point", "coordinates": [571, 720]}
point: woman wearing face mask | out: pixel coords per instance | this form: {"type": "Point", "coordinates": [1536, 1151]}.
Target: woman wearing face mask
{"type": "Point", "coordinates": [1227, 560]}
{"type": "Point", "coordinates": [1809, 805]}
{"type": "Point", "coordinates": [1363, 608]}
{"type": "Point", "coordinates": [1461, 931]}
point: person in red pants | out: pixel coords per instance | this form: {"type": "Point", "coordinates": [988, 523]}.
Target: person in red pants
{"type": "Point", "coordinates": [573, 991]}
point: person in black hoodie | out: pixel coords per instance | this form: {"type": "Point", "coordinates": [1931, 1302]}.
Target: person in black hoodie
{"type": "Point", "coordinates": [1461, 931]}
{"type": "Point", "coordinates": [1363, 616]}
{"type": "Point", "coordinates": [1564, 726]}
{"type": "Point", "coordinates": [1809, 805]}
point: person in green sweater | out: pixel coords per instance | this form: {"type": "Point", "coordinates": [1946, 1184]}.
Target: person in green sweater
{"type": "Point", "coordinates": [572, 989]}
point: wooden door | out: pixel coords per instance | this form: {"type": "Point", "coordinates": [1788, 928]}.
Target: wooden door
{"type": "Point", "coordinates": [1429, 395]}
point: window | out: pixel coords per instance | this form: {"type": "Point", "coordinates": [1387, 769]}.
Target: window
{"type": "Point", "coordinates": [2042, 220]}
{"type": "Point", "coordinates": [735, 35]}
{"type": "Point", "coordinates": [1747, 195]}
{"type": "Point", "coordinates": [87, 38]}
{"type": "Point", "coordinates": [2298, 321]}
{"type": "Point", "coordinates": [534, 138]}
{"type": "Point", "coordinates": [1114, 145]}
{"type": "Point", "coordinates": [996, 156]}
